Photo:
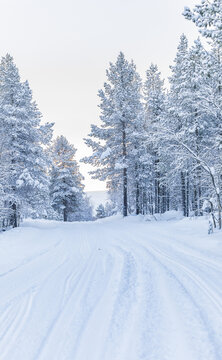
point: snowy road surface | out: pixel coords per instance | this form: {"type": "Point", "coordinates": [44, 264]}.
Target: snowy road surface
{"type": "Point", "coordinates": [111, 290]}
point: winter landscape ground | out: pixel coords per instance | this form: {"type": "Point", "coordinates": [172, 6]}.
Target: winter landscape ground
{"type": "Point", "coordinates": [125, 289]}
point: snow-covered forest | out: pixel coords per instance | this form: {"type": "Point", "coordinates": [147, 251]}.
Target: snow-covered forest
{"type": "Point", "coordinates": [160, 150]}
{"type": "Point", "coordinates": [158, 147]}
{"type": "Point", "coordinates": [39, 177]}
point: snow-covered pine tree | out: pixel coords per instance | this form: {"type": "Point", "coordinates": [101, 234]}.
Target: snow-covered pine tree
{"type": "Point", "coordinates": [5, 210]}
{"type": "Point", "coordinates": [114, 144]}
{"type": "Point", "coordinates": [196, 130]}
{"type": "Point", "coordinates": [66, 186]}
{"type": "Point", "coordinates": [207, 17]}
{"type": "Point", "coordinates": [174, 119]}
{"type": "Point", "coordinates": [189, 129]}
{"type": "Point", "coordinates": [20, 119]}
{"type": "Point", "coordinates": [110, 208]}
{"type": "Point", "coordinates": [100, 211]}
{"type": "Point", "coordinates": [106, 210]}
{"type": "Point", "coordinates": [153, 174]}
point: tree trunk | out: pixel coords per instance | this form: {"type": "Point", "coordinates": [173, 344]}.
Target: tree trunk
{"type": "Point", "coordinates": [137, 191]}
{"type": "Point", "coordinates": [200, 201]}
{"type": "Point", "coordinates": [219, 210]}
{"type": "Point", "coordinates": [124, 192]}
{"type": "Point", "coordinates": [157, 194]}
{"type": "Point", "coordinates": [183, 193]}
{"type": "Point", "coordinates": [163, 201]}
{"type": "Point", "coordinates": [65, 213]}
{"type": "Point", "coordinates": [151, 204]}
{"type": "Point", "coordinates": [167, 200]}
{"type": "Point", "coordinates": [218, 199]}
{"type": "Point", "coordinates": [157, 188]}
{"type": "Point", "coordinates": [195, 208]}
{"type": "Point", "coordinates": [219, 217]}
{"type": "Point", "coordinates": [14, 216]}
{"type": "Point", "coordinates": [137, 199]}
{"type": "Point", "coordinates": [124, 172]}
{"type": "Point", "coordinates": [187, 194]}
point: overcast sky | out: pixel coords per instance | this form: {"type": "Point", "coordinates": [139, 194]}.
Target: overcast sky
{"type": "Point", "coordinates": [63, 48]}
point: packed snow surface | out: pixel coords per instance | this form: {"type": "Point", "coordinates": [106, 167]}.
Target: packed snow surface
{"type": "Point", "coordinates": [115, 289]}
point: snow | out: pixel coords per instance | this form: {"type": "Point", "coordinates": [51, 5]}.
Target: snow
{"type": "Point", "coordinates": [119, 166]}
{"type": "Point", "coordinates": [168, 215]}
{"type": "Point", "coordinates": [113, 289]}
{"type": "Point", "coordinates": [75, 189]}
{"type": "Point", "coordinates": [212, 169]}
{"type": "Point", "coordinates": [19, 182]}
{"type": "Point", "coordinates": [105, 154]}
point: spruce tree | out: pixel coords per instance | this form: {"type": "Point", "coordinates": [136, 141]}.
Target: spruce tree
{"type": "Point", "coordinates": [100, 211]}
{"type": "Point", "coordinates": [20, 123]}
{"type": "Point", "coordinates": [66, 188]}
{"type": "Point", "coordinates": [154, 107]}
{"type": "Point", "coordinates": [114, 143]}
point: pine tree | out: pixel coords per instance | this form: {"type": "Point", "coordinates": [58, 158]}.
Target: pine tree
{"type": "Point", "coordinates": [187, 131]}
{"type": "Point", "coordinates": [100, 211]}
{"type": "Point", "coordinates": [66, 186]}
{"type": "Point", "coordinates": [207, 17]}
{"type": "Point", "coordinates": [114, 144]}
{"type": "Point", "coordinates": [20, 123]}
{"type": "Point", "coordinates": [154, 107]}
{"type": "Point", "coordinates": [175, 119]}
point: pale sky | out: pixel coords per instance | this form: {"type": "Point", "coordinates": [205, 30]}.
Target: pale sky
{"type": "Point", "coordinates": [63, 47]}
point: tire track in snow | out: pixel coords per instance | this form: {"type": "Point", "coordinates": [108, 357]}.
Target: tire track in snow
{"type": "Point", "coordinates": [123, 308]}
{"type": "Point", "coordinates": [211, 294]}
{"type": "Point", "coordinates": [158, 329]}
{"type": "Point", "coordinates": [28, 284]}
{"type": "Point", "coordinates": [68, 314]}
{"type": "Point", "coordinates": [87, 307]}
{"type": "Point", "coordinates": [208, 292]}
{"type": "Point", "coordinates": [126, 301]}
{"type": "Point", "coordinates": [217, 266]}
{"type": "Point", "coordinates": [214, 348]}
{"type": "Point", "coordinates": [97, 329]}
{"type": "Point", "coordinates": [31, 259]}
{"type": "Point", "coordinates": [16, 317]}
{"type": "Point", "coordinates": [145, 333]}
{"type": "Point", "coordinates": [48, 292]}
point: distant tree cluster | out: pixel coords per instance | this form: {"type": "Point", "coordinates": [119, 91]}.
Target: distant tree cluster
{"type": "Point", "coordinates": [160, 150]}
{"type": "Point", "coordinates": [37, 178]}
{"type": "Point", "coordinates": [106, 210]}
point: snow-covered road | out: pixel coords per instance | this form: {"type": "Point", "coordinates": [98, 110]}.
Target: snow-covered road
{"type": "Point", "coordinates": [111, 290]}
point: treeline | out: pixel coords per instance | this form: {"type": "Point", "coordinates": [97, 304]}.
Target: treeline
{"type": "Point", "coordinates": [38, 177]}
{"type": "Point", "coordinates": [161, 149]}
